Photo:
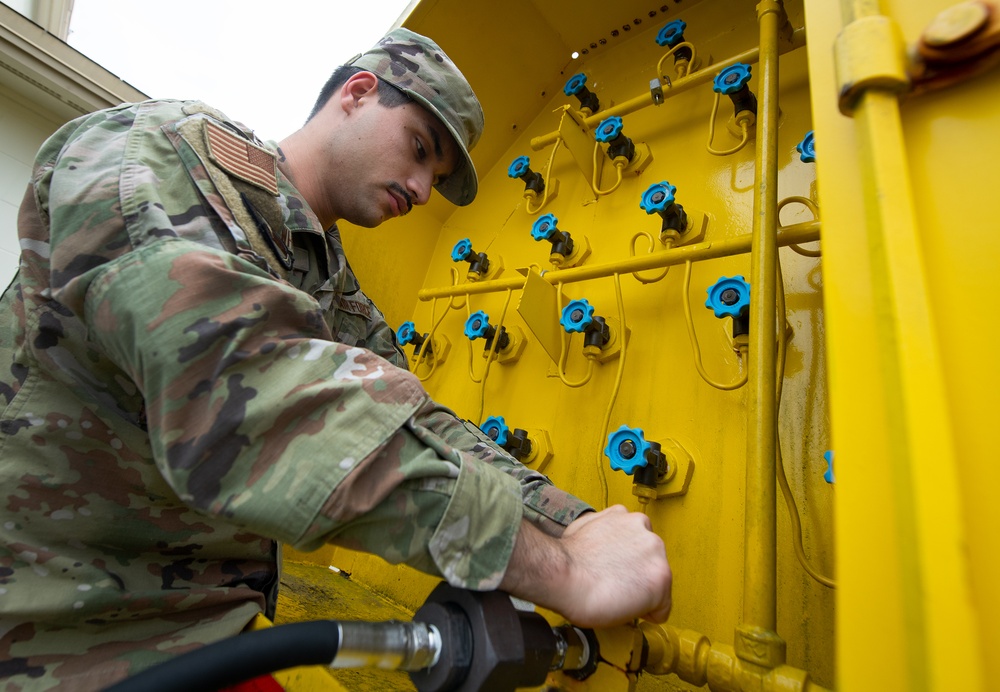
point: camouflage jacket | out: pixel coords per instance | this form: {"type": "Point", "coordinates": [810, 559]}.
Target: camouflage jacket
{"type": "Point", "coordinates": [191, 373]}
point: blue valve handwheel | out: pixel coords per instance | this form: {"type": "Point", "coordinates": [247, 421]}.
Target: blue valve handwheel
{"type": "Point", "coordinates": [405, 333]}
{"type": "Point", "coordinates": [575, 84]}
{"type": "Point", "coordinates": [462, 250]}
{"type": "Point", "coordinates": [671, 34]}
{"type": "Point", "coordinates": [544, 227]}
{"type": "Point", "coordinates": [477, 325]}
{"type": "Point", "coordinates": [496, 429]}
{"type": "Point", "coordinates": [732, 79]}
{"type": "Point", "coordinates": [807, 148]}
{"type": "Point", "coordinates": [627, 449]}
{"type": "Point", "coordinates": [828, 475]}
{"type": "Point", "coordinates": [658, 197]}
{"type": "Point", "coordinates": [609, 129]}
{"type": "Point", "coordinates": [728, 297]}
{"type": "Point", "coordinates": [577, 315]}
{"type": "Point", "coordinates": [518, 166]}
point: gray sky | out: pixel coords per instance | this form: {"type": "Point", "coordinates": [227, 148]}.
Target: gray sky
{"type": "Point", "coordinates": [260, 61]}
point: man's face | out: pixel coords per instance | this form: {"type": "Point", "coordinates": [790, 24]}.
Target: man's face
{"type": "Point", "coordinates": [389, 161]}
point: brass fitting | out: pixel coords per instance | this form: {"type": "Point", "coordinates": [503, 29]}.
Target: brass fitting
{"type": "Point", "coordinates": [695, 659]}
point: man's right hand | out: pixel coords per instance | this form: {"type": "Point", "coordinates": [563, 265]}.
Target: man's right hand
{"type": "Point", "coordinates": [607, 568]}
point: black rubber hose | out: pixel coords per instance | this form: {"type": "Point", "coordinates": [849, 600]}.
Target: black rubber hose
{"type": "Point", "coordinates": [244, 657]}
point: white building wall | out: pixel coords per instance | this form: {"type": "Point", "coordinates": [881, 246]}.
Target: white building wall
{"type": "Point", "coordinates": [24, 130]}
{"type": "Point", "coordinates": [43, 83]}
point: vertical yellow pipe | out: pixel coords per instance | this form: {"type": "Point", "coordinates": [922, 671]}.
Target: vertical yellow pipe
{"type": "Point", "coordinates": [760, 549]}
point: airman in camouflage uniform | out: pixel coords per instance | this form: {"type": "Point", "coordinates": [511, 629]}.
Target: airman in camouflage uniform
{"type": "Point", "coordinates": [195, 375]}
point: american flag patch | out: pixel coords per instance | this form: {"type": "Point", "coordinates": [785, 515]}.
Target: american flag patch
{"type": "Point", "coordinates": [241, 158]}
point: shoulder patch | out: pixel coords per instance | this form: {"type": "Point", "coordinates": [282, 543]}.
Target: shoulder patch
{"type": "Point", "coordinates": [241, 158]}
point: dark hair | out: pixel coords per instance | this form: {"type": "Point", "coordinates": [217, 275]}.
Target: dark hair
{"type": "Point", "coordinates": [388, 95]}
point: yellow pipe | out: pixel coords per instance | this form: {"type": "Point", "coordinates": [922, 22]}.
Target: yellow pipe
{"type": "Point", "coordinates": [742, 118]}
{"type": "Point", "coordinates": [811, 206]}
{"type": "Point", "coordinates": [696, 660]}
{"type": "Point", "coordinates": [798, 233]}
{"type": "Point", "coordinates": [760, 550]}
{"type": "Point", "coordinates": [681, 85]}
{"type": "Point", "coordinates": [620, 163]}
{"type": "Point", "coordinates": [528, 195]}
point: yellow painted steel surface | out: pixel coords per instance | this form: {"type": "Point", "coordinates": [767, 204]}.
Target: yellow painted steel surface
{"type": "Point", "coordinates": [888, 334]}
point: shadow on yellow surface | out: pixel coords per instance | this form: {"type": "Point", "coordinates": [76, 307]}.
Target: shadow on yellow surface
{"type": "Point", "coordinates": [313, 592]}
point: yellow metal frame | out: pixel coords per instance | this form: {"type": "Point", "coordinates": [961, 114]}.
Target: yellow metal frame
{"type": "Point", "coordinates": [912, 614]}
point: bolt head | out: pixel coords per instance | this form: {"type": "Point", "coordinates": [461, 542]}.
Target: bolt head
{"type": "Point", "coordinates": [576, 315]}
{"type": "Point", "coordinates": [731, 78]}
{"type": "Point", "coordinates": [627, 449]}
{"type": "Point", "coordinates": [477, 324]}
{"type": "Point", "coordinates": [956, 23]}
{"type": "Point", "coordinates": [494, 433]}
{"type": "Point", "coordinates": [657, 197]}
{"type": "Point", "coordinates": [730, 296]}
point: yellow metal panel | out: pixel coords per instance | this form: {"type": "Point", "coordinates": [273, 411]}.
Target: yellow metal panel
{"type": "Point", "coordinates": [660, 390]}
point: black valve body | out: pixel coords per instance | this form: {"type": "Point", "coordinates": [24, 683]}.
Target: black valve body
{"type": "Point", "coordinates": [741, 323]}
{"type": "Point", "coordinates": [418, 342]}
{"type": "Point", "coordinates": [588, 100]}
{"type": "Point", "coordinates": [621, 146]}
{"type": "Point", "coordinates": [597, 333]}
{"type": "Point", "coordinates": [655, 468]}
{"type": "Point", "coordinates": [503, 340]}
{"type": "Point", "coordinates": [674, 219]}
{"type": "Point", "coordinates": [480, 264]}
{"type": "Point", "coordinates": [562, 243]}
{"type": "Point", "coordinates": [518, 444]}
{"type": "Point", "coordinates": [533, 181]}
{"type": "Point", "coordinates": [744, 100]}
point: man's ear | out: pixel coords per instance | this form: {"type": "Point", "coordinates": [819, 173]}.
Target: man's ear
{"type": "Point", "coordinates": [358, 86]}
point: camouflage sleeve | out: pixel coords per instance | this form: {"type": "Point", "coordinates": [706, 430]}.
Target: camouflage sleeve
{"type": "Point", "coordinates": [255, 415]}
{"type": "Point", "coordinates": [444, 531]}
{"type": "Point", "coordinates": [545, 505]}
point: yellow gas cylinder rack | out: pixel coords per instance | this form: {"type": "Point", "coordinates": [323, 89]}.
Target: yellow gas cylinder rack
{"type": "Point", "coordinates": [823, 427]}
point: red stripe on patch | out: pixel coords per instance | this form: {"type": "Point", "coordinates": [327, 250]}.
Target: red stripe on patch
{"type": "Point", "coordinates": [241, 158]}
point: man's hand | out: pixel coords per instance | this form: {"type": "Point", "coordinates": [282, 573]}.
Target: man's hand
{"type": "Point", "coordinates": [608, 568]}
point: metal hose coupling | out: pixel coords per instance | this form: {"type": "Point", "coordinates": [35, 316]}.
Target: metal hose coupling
{"type": "Point", "coordinates": [391, 645]}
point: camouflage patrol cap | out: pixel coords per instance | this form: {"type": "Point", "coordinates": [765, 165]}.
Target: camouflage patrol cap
{"type": "Point", "coordinates": [419, 68]}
